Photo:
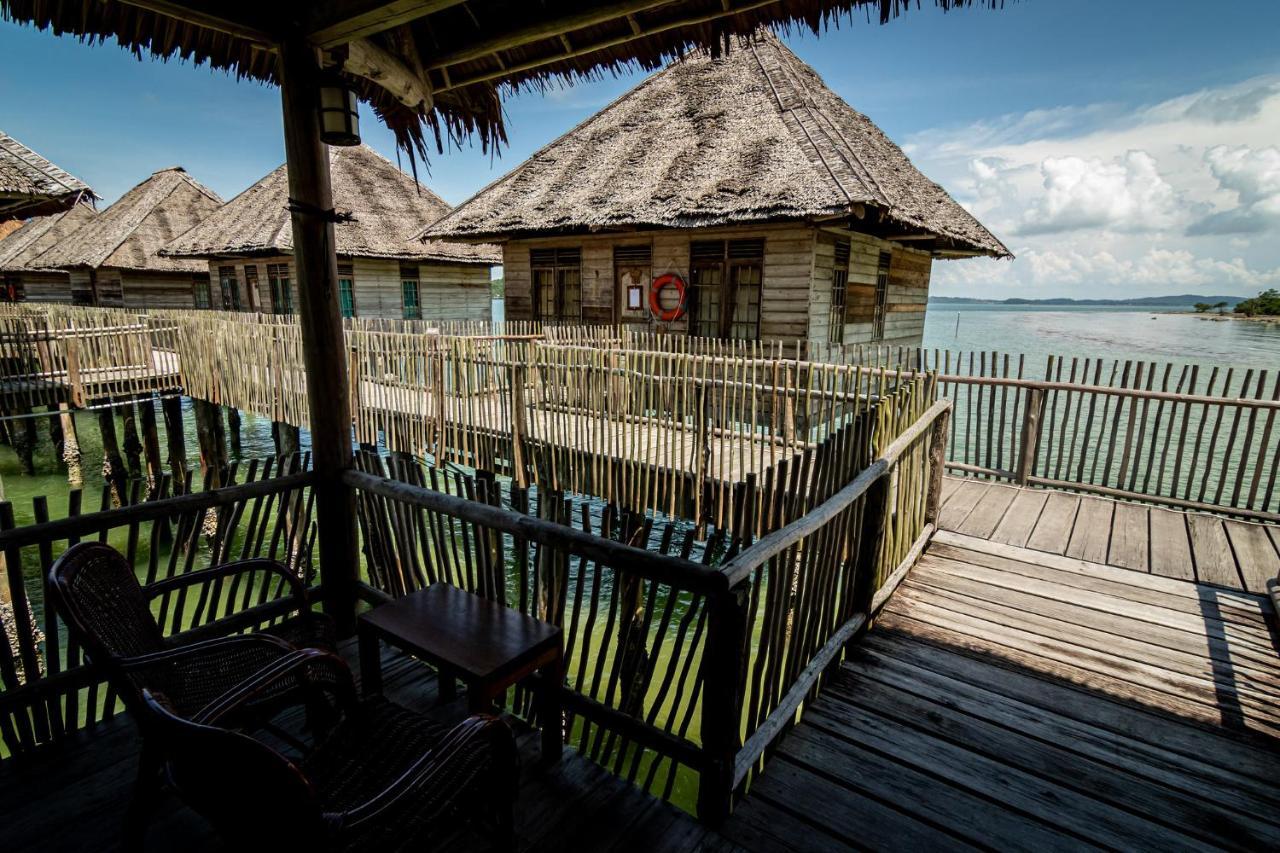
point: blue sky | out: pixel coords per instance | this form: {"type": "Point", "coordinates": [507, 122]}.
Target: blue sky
{"type": "Point", "coordinates": [1106, 143]}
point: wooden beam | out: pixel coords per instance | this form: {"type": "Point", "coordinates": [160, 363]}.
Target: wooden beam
{"type": "Point", "coordinates": [341, 21]}
{"type": "Point", "coordinates": [366, 59]}
{"type": "Point", "coordinates": [323, 345]}
{"type": "Point", "coordinates": [234, 21]}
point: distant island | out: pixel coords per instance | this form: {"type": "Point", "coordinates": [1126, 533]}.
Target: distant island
{"type": "Point", "coordinates": [1181, 299]}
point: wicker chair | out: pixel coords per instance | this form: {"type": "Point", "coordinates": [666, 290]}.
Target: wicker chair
{"type": "Point", "coordinates": [108, 613]}
{"type": "Point", "coordinates": [384, 779]}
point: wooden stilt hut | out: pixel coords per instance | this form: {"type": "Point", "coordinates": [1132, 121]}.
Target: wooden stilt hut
{"type": "Point", "coordinates": [113, 260]}
{"type": "Point", "coordinates": [22, 272]}
{"type": "Point", "coordinates": [383, 270]}
{"type": "Point", "coordinates": [783, 213]}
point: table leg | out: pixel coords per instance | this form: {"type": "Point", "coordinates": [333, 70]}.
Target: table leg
{"type": "Point", "coordinates": [479, 699]}
{"type": "Point", "coordinates": [447, 685]}
{"type": "Point", "coordinates": [552, 710]}
{"type": "Point", "coordinates": [370, 662]}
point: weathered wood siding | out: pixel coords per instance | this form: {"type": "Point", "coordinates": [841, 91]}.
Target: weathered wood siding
{"type": "Point", "coordinates": [907, 295]}
{"type": "Point", "coordinates": [788, 266]}
{"type": "Point", "coordinates": [445, 291]}
{"type": "Point", "coordinates": [45, 286]}
{"type": "Point", "coordinates": [150, 289]}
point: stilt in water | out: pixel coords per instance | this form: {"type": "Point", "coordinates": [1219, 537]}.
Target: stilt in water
{"type": "Point", "coordinates": [112, 463]}
{"type": "Point", "coordinates": [55, 431]}
{"type": "Point", "coordinates": [24, 436]}
{"type": "Point", "coordinates": [233, 428]}
{"type": "Point", "coordinates": [132, 446]}
{"type": "Point", "coordinates": [213, 452]}
{"type": "Point", "coordinates": [176, 436]}
{"type": "Point", "coordinates": [70, 445]}
{"type": "Point", "coordinates": [286, 438]}
{"type": "Point", "coordinates": [151, 448]}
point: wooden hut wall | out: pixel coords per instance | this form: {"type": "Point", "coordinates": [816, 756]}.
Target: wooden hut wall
{"type": "Point", "coordinates": [907, 295]}
{"type": "Point", "coordinates": [44, 286]}
{"type": "Point", "coordinates": [445, 291]}
{"type": "Point", "coordinates": [142, 290]}
{"type": "Point", "coordinates": [787, 272]}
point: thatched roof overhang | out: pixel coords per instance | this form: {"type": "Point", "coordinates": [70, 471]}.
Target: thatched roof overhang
{"type": "Point", "coordinates": [386, 210]}
{"type": "Point", "coordinates": [22, 250]}
{"type": "Point", "coordinates": [32, 186]}
{"type": "Point", "coordinates": [435, 67]}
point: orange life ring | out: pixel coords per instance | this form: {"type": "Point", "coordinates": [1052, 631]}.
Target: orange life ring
{"type": "Point", "coordinates": [667, 315]}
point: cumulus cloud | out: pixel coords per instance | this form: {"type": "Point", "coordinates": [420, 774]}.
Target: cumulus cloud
{"type": "Point", "coordinates": [1254, 177]}
{"type": "Point", "coordinates": [1126, 194]}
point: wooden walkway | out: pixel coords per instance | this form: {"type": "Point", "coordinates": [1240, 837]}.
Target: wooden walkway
{"type": "Point", "coordinates": [1012, 699]}
{"type": "Point", "coordinates": [74, 799]}
{"type": "Point", "coordinates": [1191, 546]}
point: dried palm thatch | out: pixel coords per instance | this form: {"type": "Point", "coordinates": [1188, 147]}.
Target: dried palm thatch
{"type": "Point", "coordinates": [32, 186]}
{"type": "Point", "coordinates": [388, 209]}
{"type": "Point", "coordinates": [752, 136]}
{"type": "Point", "coordinates": [436, 66]}
{"type": "Point", "coordinates": [129, 234]}
{"type": "Point", "coordinates": [21, 250]}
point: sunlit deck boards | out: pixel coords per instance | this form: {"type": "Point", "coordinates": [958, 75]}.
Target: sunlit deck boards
{"type": "Point", "coordinates": [74, 799]}
{"type": "Point", "coordinates": [1012, 699]}
{"type": "Point", "coordinates": [1185, 545]}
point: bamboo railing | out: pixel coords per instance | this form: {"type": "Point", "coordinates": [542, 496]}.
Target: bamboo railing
{"type": "Point", "coordinates": [669, 637]}
{"type": "Point", "coordinates": [1180, 435]}
{"type": "Point", "coordinates": [47, 688]}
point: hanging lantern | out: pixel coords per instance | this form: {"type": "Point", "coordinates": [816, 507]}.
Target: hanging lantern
{"type": "Point", "coordinates": [339, 119]}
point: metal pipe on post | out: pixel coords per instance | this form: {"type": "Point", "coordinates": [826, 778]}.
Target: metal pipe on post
{"type": "Point", "coordinates": [323, 346]}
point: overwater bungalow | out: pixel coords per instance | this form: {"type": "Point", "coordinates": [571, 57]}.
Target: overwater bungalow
{"type": "Point", "coordinates": [113, 259]}
{"type": "Point", "coordinates": [733, 196]}
{"type": "Point", "coordinates": [382, 270]}
{"type": "Point", "coordinates": [32, 186]}
{"type": "Point", "coordinates": [24, 275]}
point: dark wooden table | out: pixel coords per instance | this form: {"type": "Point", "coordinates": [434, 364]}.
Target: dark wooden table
{"type": "Point", "coordinates": [488, 646]}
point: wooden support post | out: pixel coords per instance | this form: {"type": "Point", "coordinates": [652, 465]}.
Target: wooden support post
{"type": "Point", "coordinates": [233, 429]}
{"type": "Point", "coordinates": [722, 668]}
{"type": "Point", "coordinates": [70, 445]}
{"type": "Point", "coordinates": [1030, 438]}
{"type": "Point", "coordinates": [937, 466]}
{"type": "Point", "coordinates": [151, 448]}
{"type": "Point", "coordinates": [132, 444]}
{"type": "Point", "coordinates": [55, 431]}
{"type": "Point", "coordinates": [112, 462]}
{"type": "Point", "coordinates": [176, 438]}
{"type": "Point", "coordinates": [875, 512]}
{"type": "Point", "coordinates": [320, 321]}
{"type": "Point", "coordinates": [25, 437]}
{"type": "Point", "coordinates": [212, 439]}
{"type": "Point", "coordinates": [286, 438]}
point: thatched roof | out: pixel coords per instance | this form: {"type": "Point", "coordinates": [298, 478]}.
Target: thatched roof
{"type": "Point", "coordinates": [389, 209]}
{"type": "Point", "coordinates": [22, 250]}
{"type": "Point", "coordinates": [32, 186]}
{"type": "Point", "coordinates": [435, 66]}
{"type": "Point", "coordinates": [753, 136]}
{"type": "Point", "coordinates": [129, 233]}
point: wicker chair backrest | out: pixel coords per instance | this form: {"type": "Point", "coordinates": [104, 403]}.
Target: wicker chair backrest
{"type": "Point", "coordinates": [255, 797]}
{"type": "Point", "coordinates": [99, 597]}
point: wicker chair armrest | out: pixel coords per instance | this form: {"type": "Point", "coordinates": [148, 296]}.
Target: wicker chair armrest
{"type": "Point", "coordinates": [309, 671]}
{"type": "Point", "coordinates": [297, 588]}
{"type": "Point", "coordinates": [480, 744]}
{"type": "Point", "coordinates": [215, 649]}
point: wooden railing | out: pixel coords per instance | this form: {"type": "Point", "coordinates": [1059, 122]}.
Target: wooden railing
{"type": "Point", "coordinates": [666, 640]}
{"type": "Point", "coordinates": [47, 688]}
{"type": "Point", "coordinates": [1173, 434]}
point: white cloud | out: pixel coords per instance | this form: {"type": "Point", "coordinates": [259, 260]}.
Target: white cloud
{"type": "Point", "coordinates": [1125, 193]}
{"type": "Point", "coordinates": [1114, 199]}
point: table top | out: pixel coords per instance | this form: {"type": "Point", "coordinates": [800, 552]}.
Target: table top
{"type": "Point", "coordinates": [480, 638]}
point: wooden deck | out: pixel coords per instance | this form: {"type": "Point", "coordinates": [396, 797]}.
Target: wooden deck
{"type": "Point", "coordinates": [1012, 699]}
{"type": "Point", "coordinates": [75, 799]}
{"type": "Point", "coordinates": [1191, 546]}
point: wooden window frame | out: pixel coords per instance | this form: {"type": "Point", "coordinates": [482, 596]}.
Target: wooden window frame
{"type": "Point", "coordinates": [202, 292]}
{"type": "Point", "coordinates": [230, 292]}
{"type": "Point", "coordinates": [251, 285]}
{"type": "Point", "coordinates": [410, 280]}
{"type": "Point", "coordinates": [837, 315]}
{"type": "Point", "coordinates": [730, 261]}
{"type": "Point", "coordinates": [347, 276]}
{"type": "Point", "coordinates": [281, 288]}
{"type": "Point", "coordinates": [881, 309]}
{"type": "Point", "coordinates": [551, 270]}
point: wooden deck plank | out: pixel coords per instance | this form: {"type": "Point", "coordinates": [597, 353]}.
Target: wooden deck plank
{"type": "Point", "coordinates": [1092, 531]}
{"type": "Point", "coordinates": [986, 514]}
{"type": "Point", "coordinates": [964, 498]}
{"type": "Point", "coordinates": [1256, 554]}
{"type": "Point", "coordinates": [1130, 537]}
{"type": "Point", "coordinates": [1053, 528]}
{"type": "Point", "coordinates": [1171, 545]}
{"type": "Point", "coordinates": [1215, 563]}
{"type": "Point", "coordinates": [1018, 522]}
